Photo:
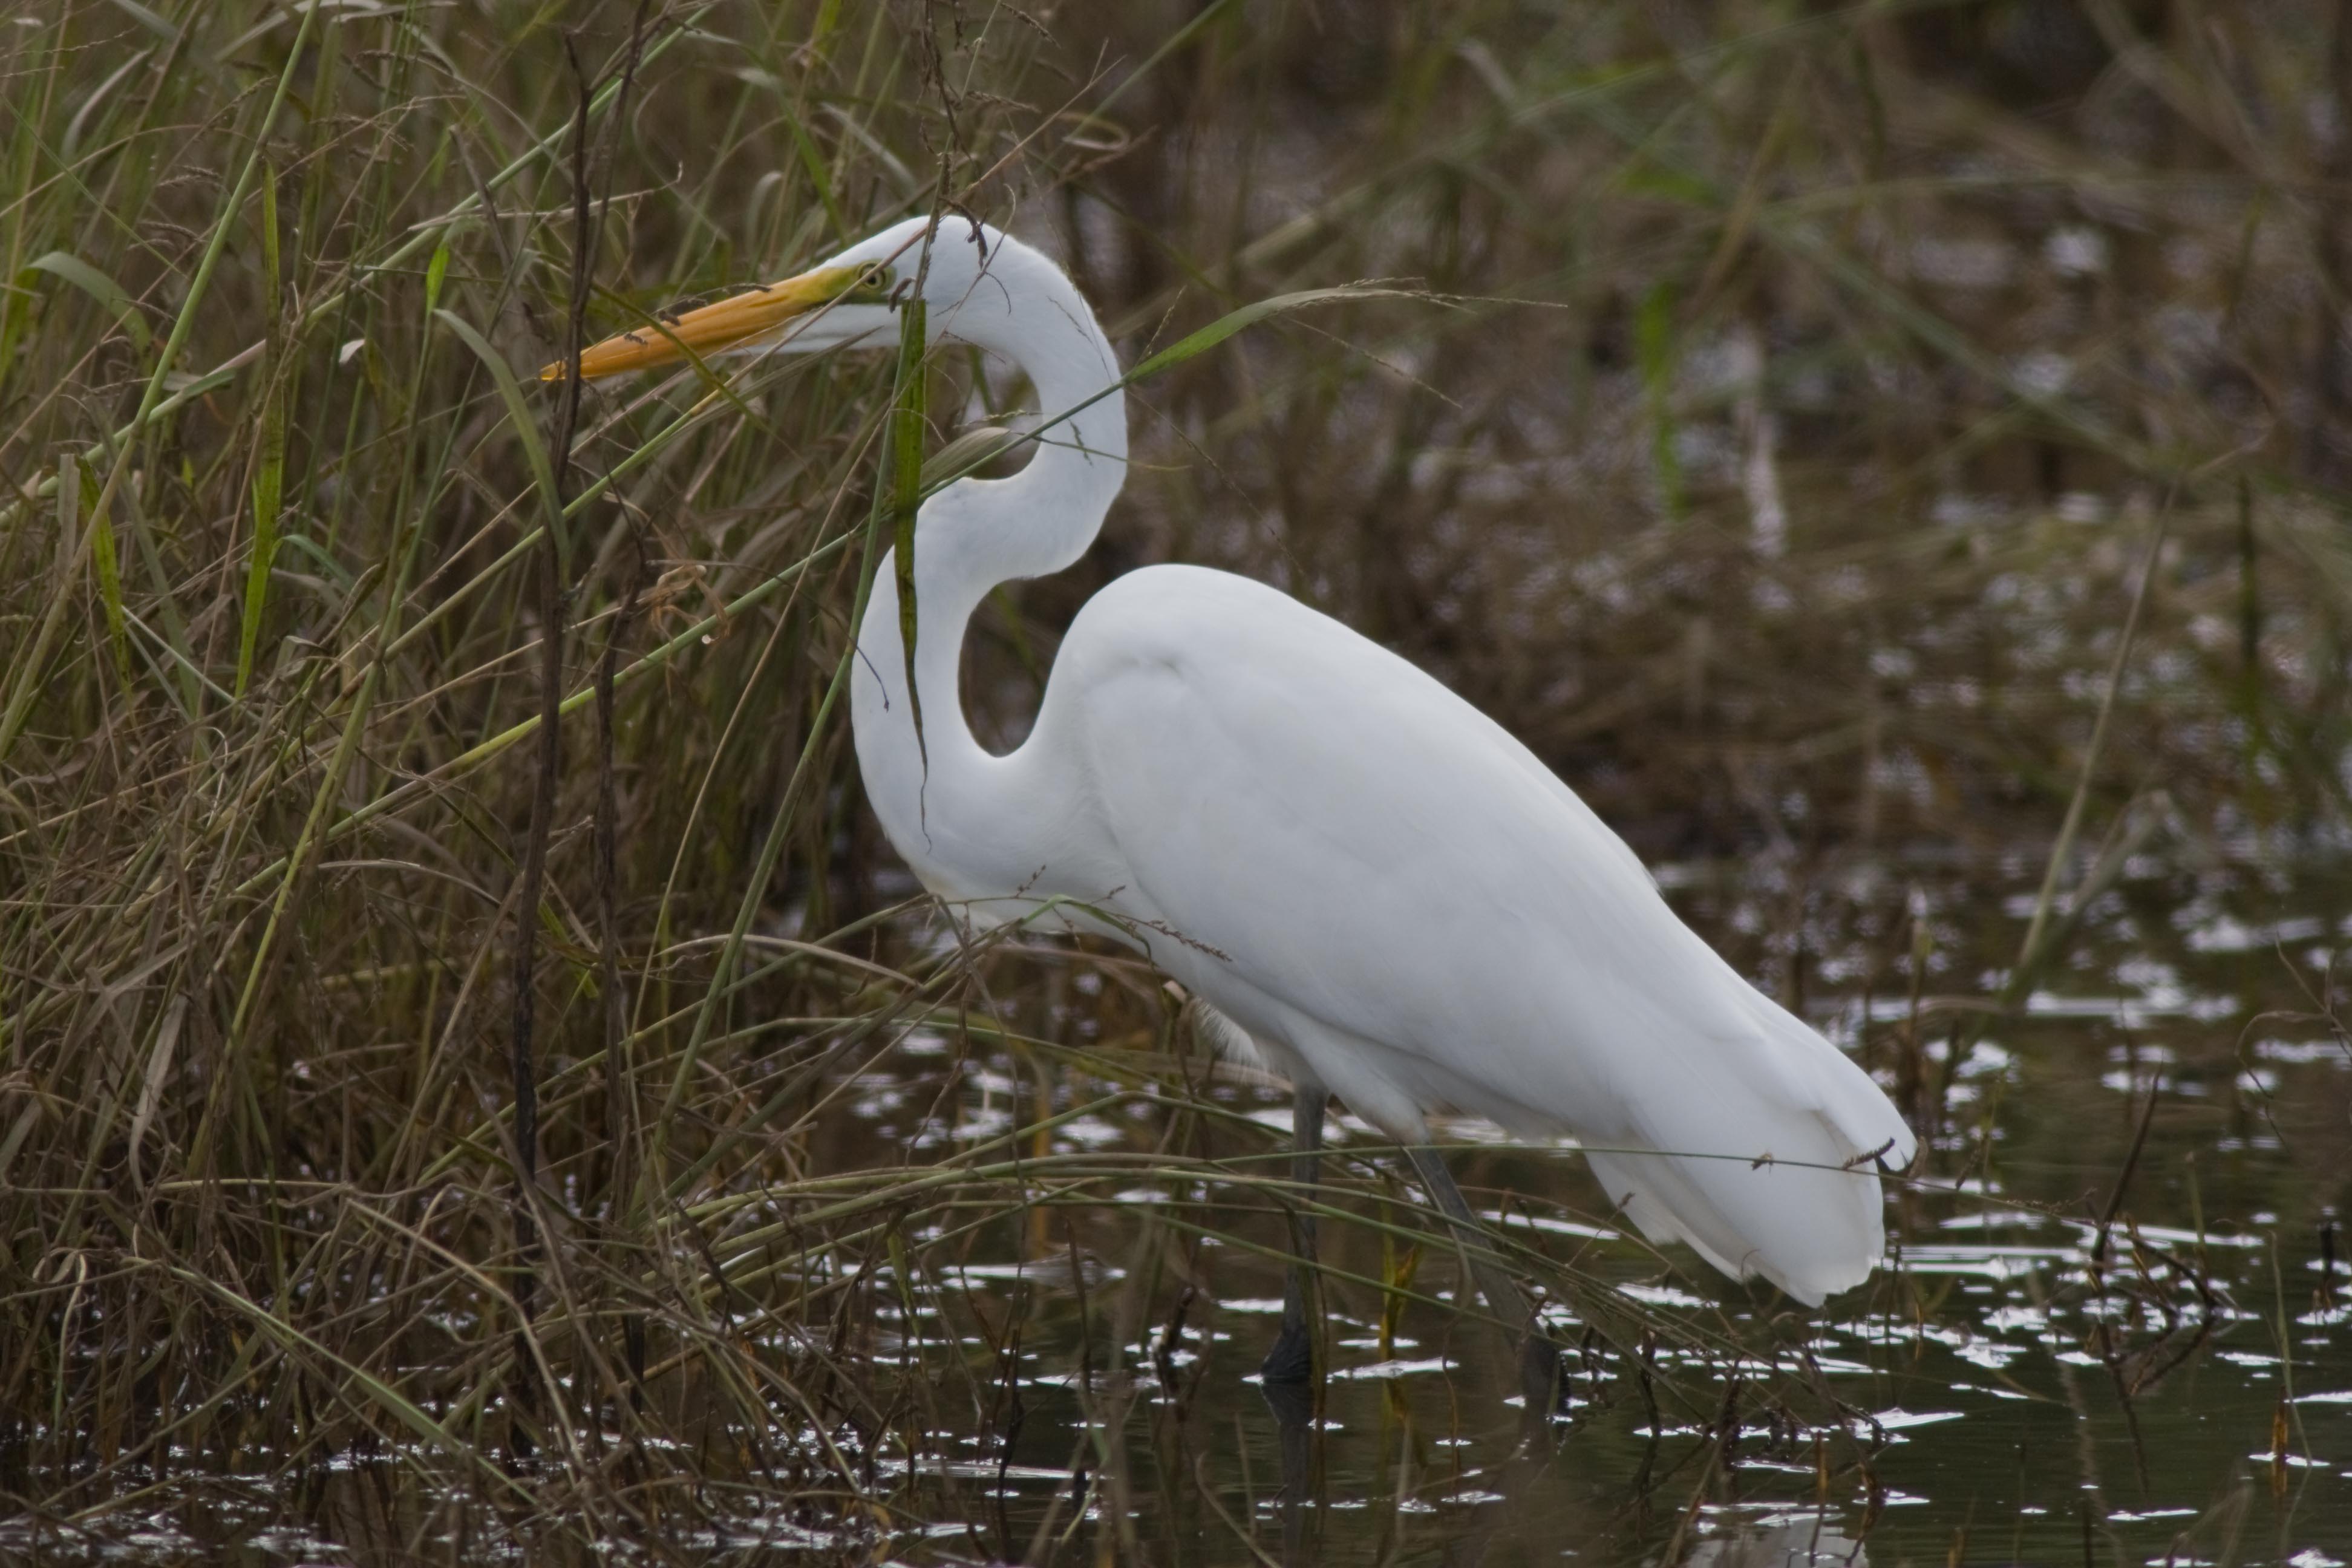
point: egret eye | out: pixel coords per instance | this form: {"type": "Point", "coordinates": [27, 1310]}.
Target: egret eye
{"type": "Point", "coordinates": [876, 288]}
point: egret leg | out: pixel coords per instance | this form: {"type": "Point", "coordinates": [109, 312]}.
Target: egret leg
{"type": "Point", "coordinates": [1292, 1359]}
{"type": "Point", "coordinates": [1538, 1357]}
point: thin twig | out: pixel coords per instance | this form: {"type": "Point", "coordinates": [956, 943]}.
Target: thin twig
{"type": "Point", "coordinates": [2029, 950]}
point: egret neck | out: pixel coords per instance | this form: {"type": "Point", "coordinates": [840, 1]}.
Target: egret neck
{"type": "Point", "coordinates": [967, 820]}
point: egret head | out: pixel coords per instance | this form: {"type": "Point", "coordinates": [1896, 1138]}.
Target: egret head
{"type": "Point", "coordinates": [853, 297]}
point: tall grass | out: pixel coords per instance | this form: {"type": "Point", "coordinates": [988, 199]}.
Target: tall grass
{"type": "Point", "coordinates": [1801, 388]}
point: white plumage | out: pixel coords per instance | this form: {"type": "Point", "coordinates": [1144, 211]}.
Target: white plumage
{"type": "Point", "coordinates": [1376, 888]}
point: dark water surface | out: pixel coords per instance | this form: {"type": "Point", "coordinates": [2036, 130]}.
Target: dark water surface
{"type": "Point", "coordinates": [2007, 1390]}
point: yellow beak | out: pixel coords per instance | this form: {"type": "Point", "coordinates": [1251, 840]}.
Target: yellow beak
{"type": "Point", "coordinates": [739, 318]}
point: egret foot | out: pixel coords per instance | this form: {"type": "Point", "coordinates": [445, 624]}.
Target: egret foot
{"type": "Point", "coordinates": [1292, 1359]}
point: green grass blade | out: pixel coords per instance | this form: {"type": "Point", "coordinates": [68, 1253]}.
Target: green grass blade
{"type": "Point", "coordinates": [269, 468]}
{"type": "Point", "coordinates": [109, 567]}
{"type": "Point", "coordinates": [73, 269]}
{"type": "Point", "coordinates": [534, 451]}
{"type": "Point", "coordinates": [907, 415]}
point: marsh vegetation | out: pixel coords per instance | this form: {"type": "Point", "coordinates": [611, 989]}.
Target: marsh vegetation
{"type": "Point", "coordinates": [474, 1083]}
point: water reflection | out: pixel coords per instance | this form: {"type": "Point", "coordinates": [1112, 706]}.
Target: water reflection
{"type": "Point", "coordinates": [1803, 1542]}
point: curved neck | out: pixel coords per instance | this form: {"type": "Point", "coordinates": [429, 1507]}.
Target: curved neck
{"type": "Point", "coordinates": [969, 537]}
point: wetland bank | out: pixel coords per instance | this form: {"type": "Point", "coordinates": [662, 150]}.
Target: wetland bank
{"type": "Point", "coordinates": [1891, 459]}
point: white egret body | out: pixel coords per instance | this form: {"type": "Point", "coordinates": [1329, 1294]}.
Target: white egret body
{"type": "Point", "coordinates": [1375, 888]}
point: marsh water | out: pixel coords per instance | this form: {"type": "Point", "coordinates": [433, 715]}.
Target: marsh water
{"type": "Point", "coordinates": [2020, 1383]}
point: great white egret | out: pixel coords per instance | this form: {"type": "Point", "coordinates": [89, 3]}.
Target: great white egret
{"type": "Point", "coordinates": [1371, 887]}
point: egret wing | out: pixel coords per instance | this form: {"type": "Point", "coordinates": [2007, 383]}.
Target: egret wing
{"type": "Point", "coordinates": [1348, 857]}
